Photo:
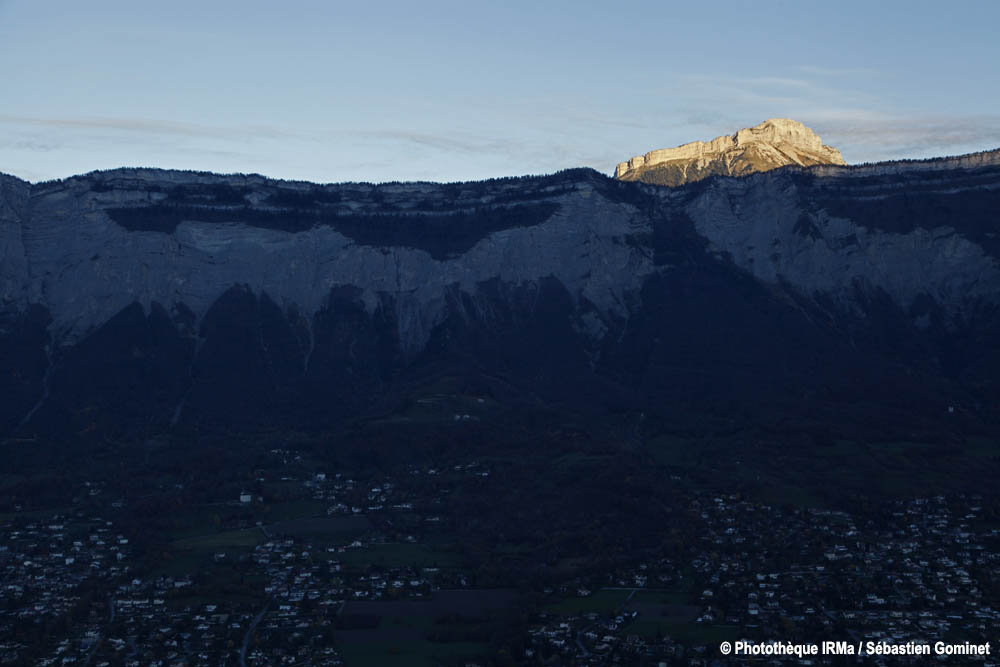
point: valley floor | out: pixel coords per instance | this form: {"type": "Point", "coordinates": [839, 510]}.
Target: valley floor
{"type": "Point", "coordinates": [283, 555]}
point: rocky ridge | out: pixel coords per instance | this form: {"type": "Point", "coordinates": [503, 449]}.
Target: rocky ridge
{"type": "Point", "coordinates": [233, 295]}
{"type": "Point", "coordinates": [92, 245]}
{"type": "Point", "coordinates": [774, 143]}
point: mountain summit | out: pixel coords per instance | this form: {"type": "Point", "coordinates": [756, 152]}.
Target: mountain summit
{"type": "Point", "coordinates": [774, 143]}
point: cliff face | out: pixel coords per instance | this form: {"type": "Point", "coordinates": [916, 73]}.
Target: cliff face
{"type": "Point", "coordinates": [99, 243]}
{"type": "Point", "coordinates": [13, 257]}
{"type": "Point", "coordinates": [774, 143]}
{"type": "Point", "coordinates": [165, 299]}
{"type": "Point", "coordinates": [910, 235]}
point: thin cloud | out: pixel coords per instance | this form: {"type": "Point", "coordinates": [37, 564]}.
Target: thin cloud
{"type": "Point", "coordinates": [465, 145]}
{"type": "Point", "coordinates": [32, 146]}
{"type": "Point", "coordinates": [442, 142]}
{"type": "Point", "coordinates": [793, 96]}
{"type": "Point", "coordinates": [533, 156]}
{"type": "Point", "coordinates": [779, 81]}
{"type": "Point", "coordinates": [837, 71]}
{"type": "Point", "coordinates": [147, 126]}
{"type": "Point", "coordinates": [879, 138]}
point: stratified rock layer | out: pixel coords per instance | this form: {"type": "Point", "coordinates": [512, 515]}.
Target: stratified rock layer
{"type": "Point", "coordinates": [777, 142]}
{"type": "Point", "coordinates": [143, 299]}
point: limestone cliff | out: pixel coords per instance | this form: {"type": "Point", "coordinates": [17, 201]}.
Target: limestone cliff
{"type": "Point", "coordinates": [774, 143]}
{"type": "Point", "coordinates": [97, 243]}
{"type": "Point", "coordinates": [140, 296]}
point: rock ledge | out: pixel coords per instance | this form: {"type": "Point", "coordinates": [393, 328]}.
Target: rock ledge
{"type": "Point", "coordinates": [774, 143]}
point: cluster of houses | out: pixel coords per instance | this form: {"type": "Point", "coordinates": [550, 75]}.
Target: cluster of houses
{"type": "Point", "coordinates": [169, 619]}
{"type": "Point", "coordinates": [917, 570]}
{"type": "Point", "coordinates": [913, 571]}
{"type": "Point", "coordinates": [903, 573]}
{"type": "Point", "coordinates": [594, 639]}
{"type": "Point", "coordinates": [48, 569]}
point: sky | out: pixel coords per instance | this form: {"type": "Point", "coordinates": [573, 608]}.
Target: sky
{"type": "Point", "coordinates": [447, 91]}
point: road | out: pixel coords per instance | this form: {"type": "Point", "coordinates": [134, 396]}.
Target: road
{"type": "Point", "coordinates": [579, 633]}
{"type": "Point", "coordinates": [246, 638]}
{"type": "Point", "coordinates": [97, 642]}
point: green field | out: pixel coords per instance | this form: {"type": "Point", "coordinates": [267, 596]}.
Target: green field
{"type": "Point", "coordinates": [803, 470]}
{"type": "Point", "coordinates": [405, 630]}
{"type": "Point", "coordinates": [398, 554]}
{"type": "Point", "coordinates": [408, 653]}
{"type": "Point", "coordinates": [192, 554]}
{"type": "Point", "coordinates": [693, 633]}
{"type": "Point", "coordinates": [602, 601]}
{"type": "Point", "coordinates": [661, 597]}
{"type": "Point", "coordinates": [322, 531]}
{"type": "Point", "coordinates": [230, 539]}
{"type": "Point", "coordinates": [293, 509]}
{"type": "Point", "coordinates": [31, 515]}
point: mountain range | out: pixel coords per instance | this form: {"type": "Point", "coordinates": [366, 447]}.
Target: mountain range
{"type": "Point", "coordinates": [143, 301]}
{"type": "Point", "coordinates": [776, 142]}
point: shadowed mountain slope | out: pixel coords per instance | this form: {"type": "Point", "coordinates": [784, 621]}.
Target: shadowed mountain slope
{"type": "Point", "coordinates": [136, 302]}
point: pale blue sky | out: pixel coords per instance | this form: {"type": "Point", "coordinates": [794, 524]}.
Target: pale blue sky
{"type": "Point", "coordinates": [331, 91]}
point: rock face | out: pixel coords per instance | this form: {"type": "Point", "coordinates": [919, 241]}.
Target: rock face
{"type": "Point", "coordinates": [145, 300]}
{"type": "Point", "coordinates": [774, 143]}
{"type": "Point", "coordinates": [98, 243]}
